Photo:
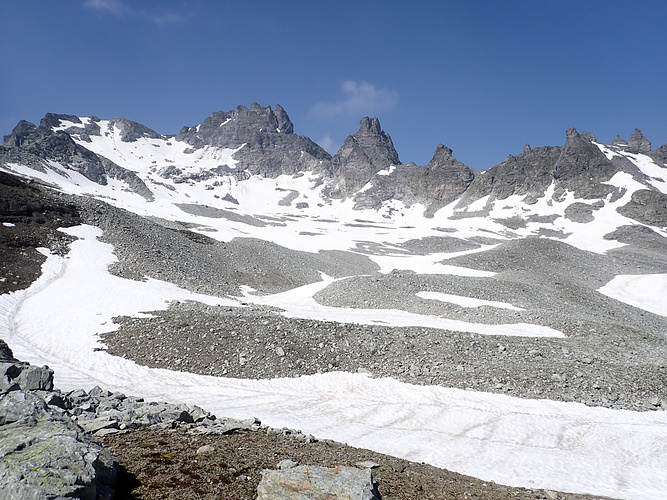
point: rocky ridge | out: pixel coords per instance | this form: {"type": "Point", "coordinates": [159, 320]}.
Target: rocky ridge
{"type": "Point", "coordinates": [269, 146]}
{"type": "Point", "coordinates": [366, 168]}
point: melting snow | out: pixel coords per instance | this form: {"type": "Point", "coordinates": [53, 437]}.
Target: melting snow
{"type": "Point", "coordinates": [645, 291]}
{"type": "Point", "coordinates": [465, 301]}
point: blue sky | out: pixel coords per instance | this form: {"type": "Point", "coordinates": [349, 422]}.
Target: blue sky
{"type": "Point", "coordinates": [482, 77]}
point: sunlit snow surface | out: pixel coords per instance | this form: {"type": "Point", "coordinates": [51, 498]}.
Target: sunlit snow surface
{"type": "Point", "coordinates": [532, 443]}
{"type": "Point", "coordinates": [645, 291]}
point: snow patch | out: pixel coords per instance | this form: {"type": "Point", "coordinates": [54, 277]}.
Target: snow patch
{"type": "Point", "coordinates": [645, 291]}
{"type": "Point", "coordinates": [466, 301]}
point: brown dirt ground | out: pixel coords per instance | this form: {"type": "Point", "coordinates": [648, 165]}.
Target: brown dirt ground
{"type": "Point", "coordinates": [164, 465]}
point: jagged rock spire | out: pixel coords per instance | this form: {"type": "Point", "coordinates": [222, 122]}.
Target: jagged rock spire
{"type": "Point", "coordinates": [638, 143]}
{"type": "Point", "coordinates": [363, 154]}
{"type": "Point", "coordinates": [619, 142]}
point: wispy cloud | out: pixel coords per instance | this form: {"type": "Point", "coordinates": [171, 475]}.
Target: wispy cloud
{"type": "Point", "coordinates": [120, 9]}
{"type": "Point", "coordinates": [111, 6]}
{"type": "Point", "coordinates": [328, 144]}
{"type": "Point", "coordinates": [357, 98]}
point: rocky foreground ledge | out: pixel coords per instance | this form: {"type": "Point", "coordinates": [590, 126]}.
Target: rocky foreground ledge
{"type": "Point", "coordinates": [49, 439]}
{"type": "Point", "coordinates": [102, 445]}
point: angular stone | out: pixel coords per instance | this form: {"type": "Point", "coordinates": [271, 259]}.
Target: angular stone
{"type": "Point", "coordinates": [43, 454]}
{"type": "Point", "coordinates": [207, 449]}
{"type": "Point", "coordinates": [287, 464]}
{"type": "Point", "coordinates": [309, 482]}
{"type": "Point", "coordinates": [96, 424]}
{"type": "Point", "coordinates": [34, 378]}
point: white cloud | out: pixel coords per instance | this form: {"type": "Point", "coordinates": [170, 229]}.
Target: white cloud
{"type": "Point", "coordinates": [112, 6]}
{"type": "Point", "coordinates": [359, 98]}
{"type": "Point", "coordinates": [120, 9]}
{"type": "Point", "coordinates": [328, 144]}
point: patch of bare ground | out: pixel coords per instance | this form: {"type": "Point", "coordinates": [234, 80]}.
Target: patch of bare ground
{"type": "Point", "coordinates": [164, 464]}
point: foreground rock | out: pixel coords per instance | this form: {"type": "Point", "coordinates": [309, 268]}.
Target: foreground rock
{"type": "Point", "coordinates": [308, 482]}
{"type": "Point", "coordinates": [46, 455]}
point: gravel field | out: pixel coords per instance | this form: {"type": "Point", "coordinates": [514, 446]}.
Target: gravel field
{"type": "Point", "coordinates": [614, 355]}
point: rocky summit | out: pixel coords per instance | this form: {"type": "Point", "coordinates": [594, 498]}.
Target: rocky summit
{"type": "Point", "coordinates": [507, 323]}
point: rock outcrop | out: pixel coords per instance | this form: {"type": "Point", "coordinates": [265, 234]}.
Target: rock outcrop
{"type": "Point", "coordinates": [440, 182]}
{"type": "Point", "coordinates": [577, 166]}
{"type": "Point", "coordinates": [648, 207]}
{"type": "Point", "coordinates": [446, 178]}
{"type": "Point", "coordinates": [619, 142]}
{"type": "Point", "coordinates": [582, 167]}
{"type": "Point", "coordinates": [269, 146]}
{"type": "Point", "coordinates": [659, 155]}
{"type": "Point", "coordinates": [46, 145]}
{"type": "Point", "coordinates": [362, 155]}
{"type": "Point", "coordinates": [638, 143]}
{"type": "Point", "coordinates": [46, 455]}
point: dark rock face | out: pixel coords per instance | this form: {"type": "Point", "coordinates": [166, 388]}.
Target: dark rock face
{"type": "Point", "coordinates": [528, 174]}
{"type": "Point", "coordinates": [6, 354]}
{"type": "Point", "coordinates": [446, 177]}
{"type": "Point", "coordinates": [581, 167]}
{"type": "Point", "coordinates": [440, 182]}
{"type": "Point", "coordinates": [362, 155]}
{"type": "Point", "coordinates": [619, 142]}
{"type": "Point", "coordinates": [131, 131]}
{"type": "Point", "coordinates": [270, 147]}
{"type": "Point", "coordinates": [648, 207]}
{"type": "Point", "coordinates": [659, 155]}
{"type": "Point", "coordinates": [41, 143]}
{"type": "Point", "coordinates": [577, 166]}
{"type": "Point", "coordinates": [638, 143]}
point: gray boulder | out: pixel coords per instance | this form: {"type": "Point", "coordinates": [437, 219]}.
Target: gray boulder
{"type": "Point", "coordinates": [22, 376]}
{"type": "Point", "coordinates": [309, 482]}
{"type": "Point", "coordinates": [46, 455]}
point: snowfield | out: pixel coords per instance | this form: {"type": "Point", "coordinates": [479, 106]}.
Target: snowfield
{"type": "Point", "coordinates": [531, 443]}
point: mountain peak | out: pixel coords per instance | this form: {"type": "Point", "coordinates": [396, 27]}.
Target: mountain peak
{"type": "Point", "coordinates": [131, 131]}
{"type": "Point", "coordinates": [363, 154]}
{"type": "Point", "coordinates": [638, 143]}
{"type": "Point", "coordinates": [441, 155]}
{"type": "Point", "coordinates": [619, 142]}
{"type": "Point", "coordinates": [370, 126]}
